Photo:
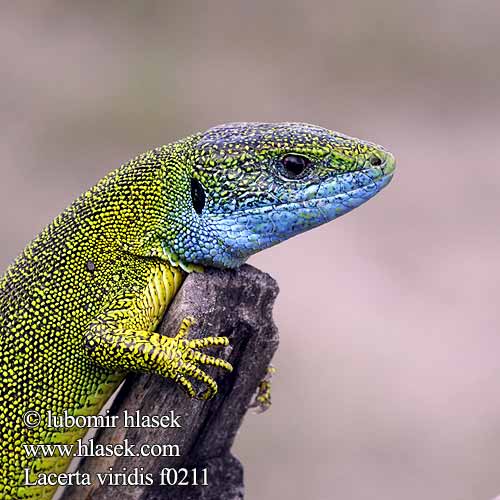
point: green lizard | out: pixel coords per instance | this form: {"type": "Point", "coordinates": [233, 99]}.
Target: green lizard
{"type": "Point", "coordinates": [79, 306]}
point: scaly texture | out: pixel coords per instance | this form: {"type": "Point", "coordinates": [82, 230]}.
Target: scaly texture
{"type": "Point", "coordinates": [79, 306]}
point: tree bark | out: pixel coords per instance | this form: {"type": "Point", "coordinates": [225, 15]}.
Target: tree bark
{"type": "Point", "coordinates": [233, 303]}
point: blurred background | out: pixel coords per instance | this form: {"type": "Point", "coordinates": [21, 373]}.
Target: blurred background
{"type": "Point", "coordinates": [388, 383]}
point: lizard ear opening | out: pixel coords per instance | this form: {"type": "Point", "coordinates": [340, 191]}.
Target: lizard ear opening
{"type": "Point", "coordinates": [198, 196]}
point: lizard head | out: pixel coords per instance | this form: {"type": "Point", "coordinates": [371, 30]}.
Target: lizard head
{"type": "Point", "coordinates": [253, 185]}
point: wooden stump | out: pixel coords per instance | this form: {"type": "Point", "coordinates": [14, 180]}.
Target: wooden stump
{"type": "Point", "coordinates": [233, 303]}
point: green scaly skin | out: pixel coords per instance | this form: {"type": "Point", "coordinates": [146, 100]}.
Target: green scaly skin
{"type": "Point", "coordinates": [79, 306]}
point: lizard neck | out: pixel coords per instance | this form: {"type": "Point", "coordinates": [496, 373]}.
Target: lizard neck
{"type": "Point", "coordinates": [163, 252]}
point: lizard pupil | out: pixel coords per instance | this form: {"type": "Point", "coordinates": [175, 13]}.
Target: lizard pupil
{"type": "Point", "coordinates": [295, 165]}
{"type": "Point", "coordinates": [198, 196]}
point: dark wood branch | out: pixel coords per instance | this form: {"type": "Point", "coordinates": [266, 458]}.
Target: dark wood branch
{"type": "Point", "coordinates": [237, 304]}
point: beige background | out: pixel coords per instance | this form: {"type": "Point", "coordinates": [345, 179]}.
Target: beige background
{"type": "Point", "coordinates": [388, 383]}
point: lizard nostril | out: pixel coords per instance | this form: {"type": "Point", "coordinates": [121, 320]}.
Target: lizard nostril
{"type": "Point", "coordinates": [375, 161]}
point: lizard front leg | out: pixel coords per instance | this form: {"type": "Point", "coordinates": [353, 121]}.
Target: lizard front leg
{"type": "Point", "coordinates": [121, 338]}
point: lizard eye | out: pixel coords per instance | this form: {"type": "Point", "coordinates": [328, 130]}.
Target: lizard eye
{"type": "Point", "coordinates": [198, 196]}
{"type": "Point", "coordinates": [294, 165]}
{"type": "Point", "coordinates": [375, 161]}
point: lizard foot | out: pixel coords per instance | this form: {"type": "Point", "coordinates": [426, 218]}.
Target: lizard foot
{"type": "Point", "coordinates": [262, 398]}
{"type": "Point", "coordinates": [182, 358]}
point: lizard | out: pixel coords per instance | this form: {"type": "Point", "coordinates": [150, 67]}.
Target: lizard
{"type": "Point", "coordinates": [80, 305]}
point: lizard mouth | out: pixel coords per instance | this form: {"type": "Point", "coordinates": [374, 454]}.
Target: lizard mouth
{"type": "Point", "coordinates": [349, 197]}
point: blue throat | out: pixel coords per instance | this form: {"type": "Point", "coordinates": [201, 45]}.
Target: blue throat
{"type": "Point", "coordinates": [249, 231]}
